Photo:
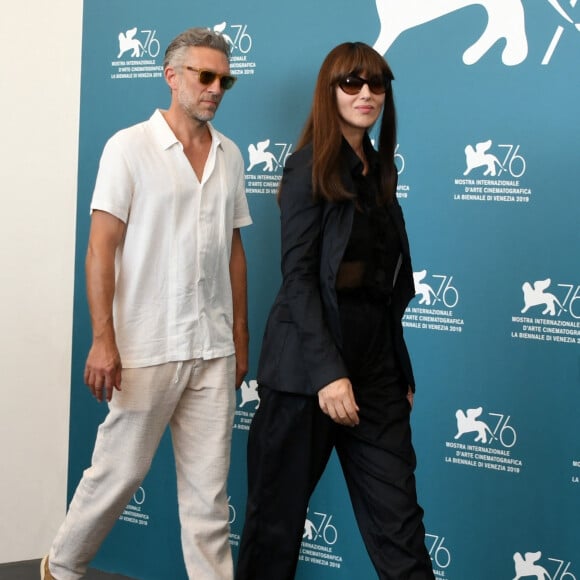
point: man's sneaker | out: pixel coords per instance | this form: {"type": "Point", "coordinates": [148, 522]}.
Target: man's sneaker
{"type": "Point", "coordinates": [44, 571]}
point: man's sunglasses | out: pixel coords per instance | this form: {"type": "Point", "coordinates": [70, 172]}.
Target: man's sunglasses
{"type": "Point", "coordinates": [207, 77]}
{"type": "Point", "coordinates": [353, 84]}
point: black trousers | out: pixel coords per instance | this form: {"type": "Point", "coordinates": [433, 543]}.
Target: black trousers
{"type": "Point", "coordinates": [290, 442]}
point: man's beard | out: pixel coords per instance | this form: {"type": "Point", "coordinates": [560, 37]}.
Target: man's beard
{"type": "Point", "coordinates": [195, 114]}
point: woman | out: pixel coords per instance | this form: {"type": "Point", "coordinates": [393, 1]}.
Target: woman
{"type": "Point", "coordinates": [334, 370]}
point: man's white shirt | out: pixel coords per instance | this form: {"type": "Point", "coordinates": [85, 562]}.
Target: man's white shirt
{"type": "Point", "coordinates": [173, 297]}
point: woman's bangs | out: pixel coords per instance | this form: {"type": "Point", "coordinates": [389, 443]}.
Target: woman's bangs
{"type": "Point", "coordinates": [361, 60]}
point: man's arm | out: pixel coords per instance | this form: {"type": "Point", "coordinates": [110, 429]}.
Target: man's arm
{"type": "Point", "coordinates": [238, 276]}
{"type": "Point", "coordinates": [103, 366]}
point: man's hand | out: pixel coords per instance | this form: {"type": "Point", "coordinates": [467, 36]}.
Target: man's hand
{"type": "Point", "coordinates": [410, 396]}
{"type": "Point", "coordinates": [337, 401]}
{"type": "Point", "coordinates": [103, 367]}
{"type": "Point", "coordinates": [241, 342]}
{"type": "Point", "coordinates": [238, 277]}
{"type": "Point", "coordinates": [103, 370]}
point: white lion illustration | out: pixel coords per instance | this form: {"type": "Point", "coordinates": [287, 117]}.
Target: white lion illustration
{"type": "Point", "coordinates": [468, 423]}
{"type": "Point", "coordinates": [423, 289]}
{"type": "Point", "coordinates": [478, 157]}
{"type": "Point", "coordinates": [506, 21]}
{"type": "Point", "coordinates": [505, 24]}
{"type": "Point", "coordinates": [249, 393]}
{"type": "Point", "coordinates": [219, 28]}
{"type": "Point", "coordinates": [535, 296]}
{"type": "Point", "coordinates": [258, 154]}
{"type": "Point", "coordinates": [309, 530]}
{"type": "Point", "coordinates": [527, 567]}
{"type": "Point", "coordinates": [128, 42]}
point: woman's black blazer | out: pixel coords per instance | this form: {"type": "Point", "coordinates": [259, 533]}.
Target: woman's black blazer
{"type": "Point", "coordinates": [301, 349]}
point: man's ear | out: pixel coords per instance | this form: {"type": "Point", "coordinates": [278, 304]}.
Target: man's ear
{"type": "Point", "coordinates": [170, 75]}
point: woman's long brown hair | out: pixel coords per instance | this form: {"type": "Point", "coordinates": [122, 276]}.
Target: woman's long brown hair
{"type": "Point", "coordinates": [322, 127]}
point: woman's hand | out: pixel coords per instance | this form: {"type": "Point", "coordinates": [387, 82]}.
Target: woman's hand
{"type": "Point", "coordinates": [337, 401]}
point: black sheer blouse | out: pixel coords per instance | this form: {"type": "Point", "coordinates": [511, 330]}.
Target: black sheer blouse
{"type": "Point", "coordinates": [373, 250]}
{"type": "Point", "coordinates": [364, 285]}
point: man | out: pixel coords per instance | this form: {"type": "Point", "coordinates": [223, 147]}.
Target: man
{"type": "Point", "coordinates": [166, 284]}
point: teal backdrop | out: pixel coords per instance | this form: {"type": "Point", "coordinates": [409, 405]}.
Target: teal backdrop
{"type": "Point", "coordinates": [488, 96]}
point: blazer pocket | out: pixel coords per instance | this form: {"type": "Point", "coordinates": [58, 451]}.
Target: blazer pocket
{"type": "Point", "coordinates": [281, 364]}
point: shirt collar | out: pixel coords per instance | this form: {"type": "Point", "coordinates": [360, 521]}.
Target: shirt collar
{"type": "Point", "coordinates": [166, 137]}
{"type": "Point", "coordinates": [353, 161]}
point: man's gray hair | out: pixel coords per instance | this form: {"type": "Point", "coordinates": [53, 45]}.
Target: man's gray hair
{"type": "Point", "coordinates": [194, 37]}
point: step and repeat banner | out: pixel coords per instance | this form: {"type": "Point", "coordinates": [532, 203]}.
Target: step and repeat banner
{"type": "Point", "coordinates": [488, 97]}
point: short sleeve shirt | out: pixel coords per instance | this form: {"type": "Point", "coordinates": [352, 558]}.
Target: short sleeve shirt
{"type": "Point", "coordinates": [173, 293]}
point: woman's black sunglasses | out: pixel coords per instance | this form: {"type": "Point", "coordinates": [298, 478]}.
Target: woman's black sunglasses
{"type": "Point", "coordinates": [353, 84]}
